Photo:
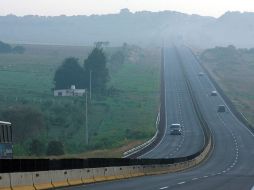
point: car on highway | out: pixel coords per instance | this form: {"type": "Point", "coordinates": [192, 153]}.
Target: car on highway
{"type": "Point", "coordinates": [175, 129]}
{"type": "Point", "coordinates": [214, 93]}
{"type": "Point", "coordinates": [221, 108]}
{"type": "Point", "coordinates": [201, 74]}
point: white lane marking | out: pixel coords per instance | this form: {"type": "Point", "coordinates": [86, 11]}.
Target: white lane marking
{"type": "Point", "coordinates": [205, 176]}
{"type": "Point", "coordinates": [252, 188]}
{"type": "Point", "coordinates": [219, 173]}
{"type": "Point", "coordinates": [164, 187]}
{"type": "Point", "coordinates": [195, 178]}
{"type": "Point", "coordinates": [180, 183]}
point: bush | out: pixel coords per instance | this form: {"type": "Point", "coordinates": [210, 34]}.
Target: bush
{"type": "Point", "coordinates": [36, 148]}
{"type": "Point", "coordinates": [55, 148]}
{"type": "Point", "coordinates": [27, 122]}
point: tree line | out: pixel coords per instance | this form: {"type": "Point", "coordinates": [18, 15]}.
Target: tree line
{"type": "Point", "coordinates": [7, 48]}
{"type": "Point", "coordinates": [72, 73]}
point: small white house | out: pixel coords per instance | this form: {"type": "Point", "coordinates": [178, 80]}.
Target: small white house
{"type": "Point", "coordinates": [70, 92]}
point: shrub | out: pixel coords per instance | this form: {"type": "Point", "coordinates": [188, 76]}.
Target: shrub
{"type": "Point", "coordinates": [36, 147]}
{"type": "Point", "coordinates": [55, 148]}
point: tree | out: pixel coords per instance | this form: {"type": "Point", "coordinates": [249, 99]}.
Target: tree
{"type": "Point", "coordinates": [55, 148]}
{"type": "Point", "coordinates": [96, 63]}
{"type": "Point", "coordinates": [5, 48]}
{"type": "Point", "coordinates": [70, 73]}
{"type": "Point", "coordinates": [117, 60]}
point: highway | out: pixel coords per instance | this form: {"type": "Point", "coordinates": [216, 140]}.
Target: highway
{"type": "Point", "coordinates": [179, 109]}
{"type": "Point", "coordinates": [230, 165]}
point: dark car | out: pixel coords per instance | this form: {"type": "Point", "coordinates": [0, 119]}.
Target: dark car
{"type": "Point", "coordinates": [221, 108]}
{"type": "Point", "coordinates": [214, 93]}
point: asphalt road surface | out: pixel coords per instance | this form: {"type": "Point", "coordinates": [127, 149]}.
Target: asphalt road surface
{"type": "Point", "coordinates": [231, 164]}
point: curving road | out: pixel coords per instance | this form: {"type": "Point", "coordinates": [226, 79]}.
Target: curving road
{"type": "Point", "coordinates": [230, 165]}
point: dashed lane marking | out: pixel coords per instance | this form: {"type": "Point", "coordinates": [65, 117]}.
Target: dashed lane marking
{"type": "Point", "coordinates": [164, 187]}
{"type": "Point", "coordinates": [180, 183]}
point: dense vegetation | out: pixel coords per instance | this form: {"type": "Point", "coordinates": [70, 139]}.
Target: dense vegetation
{"type": "Point", "coordinates": [234, 70]}
{"type": "Point", "coordinates": [123, 116]}
{"type": "Point", "coordinates": [71, 73]}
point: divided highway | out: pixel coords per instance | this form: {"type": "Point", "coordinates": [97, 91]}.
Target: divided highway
{"type": "Point", "coordinates": [230, 165]}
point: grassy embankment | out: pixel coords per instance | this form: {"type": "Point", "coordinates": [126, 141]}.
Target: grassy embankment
{"type": "Point", "coordinates": [116, 122]}
{"type": "Point", "coordinates": [233, 69]}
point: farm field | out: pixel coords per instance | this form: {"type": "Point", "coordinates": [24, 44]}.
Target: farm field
{"type": "Point", "coordinates": [117, 121]}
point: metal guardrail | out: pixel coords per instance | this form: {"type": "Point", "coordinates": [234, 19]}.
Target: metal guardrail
{"type": "Point", "coordinates": [144, 145]}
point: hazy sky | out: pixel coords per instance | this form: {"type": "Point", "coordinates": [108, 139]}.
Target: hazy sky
{"type": "Point", "coordinates": [88, 7]}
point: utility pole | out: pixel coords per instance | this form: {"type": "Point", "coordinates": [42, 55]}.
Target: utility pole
{"type": "Point", "coordinates": [90, 86]}
{"type": "Point", "coordinates": [87, 135]}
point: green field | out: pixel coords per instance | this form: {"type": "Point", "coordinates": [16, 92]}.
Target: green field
{"type": "Point", "coordinates": [116, 121]}
{"type": "Point", "coordinates": [233, 69]}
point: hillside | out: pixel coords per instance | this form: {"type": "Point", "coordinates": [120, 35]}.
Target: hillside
{"type": "Point", "coordinates": [138, 28]}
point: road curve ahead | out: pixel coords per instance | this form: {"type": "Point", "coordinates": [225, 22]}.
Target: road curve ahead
{"type": "Point", "coordinates": [231, 164]}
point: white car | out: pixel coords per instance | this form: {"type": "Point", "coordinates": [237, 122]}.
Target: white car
{"type": "Point", "coordinates": [175, 129]}
{"type": "Point", "coordinates": [214, 93]}
{"type": "Point", "coordinates": [200, 74]}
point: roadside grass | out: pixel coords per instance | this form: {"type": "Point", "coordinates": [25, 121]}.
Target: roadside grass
{"type": "Point", "coordinates": [124, 119]}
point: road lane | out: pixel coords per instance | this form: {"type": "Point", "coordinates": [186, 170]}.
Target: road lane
{"type": "Point", "coordinates": [179, 109]}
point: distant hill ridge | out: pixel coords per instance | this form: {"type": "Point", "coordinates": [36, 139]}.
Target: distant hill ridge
{"type": "Point", "coordinates": [138, 28]}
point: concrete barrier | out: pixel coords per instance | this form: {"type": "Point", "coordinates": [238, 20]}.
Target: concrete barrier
{"type": "Point", "coordinates": [127, 171]}
{"type": "Point", "coordinates": [160, 169]}
{"type": "Point", "coordinates": [119, 172]}
{"type": "Point", "coordinates": [109, 173]}
{"type": "Point", "coordinates": [140, 171]}
{"type": "Point", "coordinates": [75, 177]}
{"type": "Point", "coordinates": [42, 180]}
{"type": "Point", "coordinates": [59, 178]}
{"type": "Point", "coordinates": [5, 181]}
{"type": "Point", "coordinates": [134, 171]}
{"type": "Point", "coordinates": [87, 175]}
{"type": "Point", "coordinates": [148, 169]}
{"type": "Point", "coordinates": [22, 181]}
{"type": "Point", "coordinates": [99, 174]}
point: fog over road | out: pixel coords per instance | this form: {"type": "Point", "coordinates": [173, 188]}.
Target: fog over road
{"type": "Point", "coordinates": [230, 165]}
